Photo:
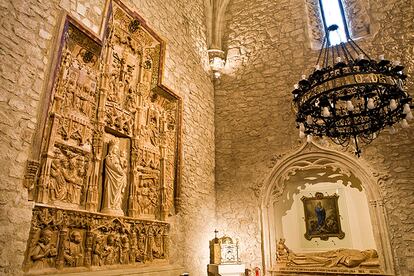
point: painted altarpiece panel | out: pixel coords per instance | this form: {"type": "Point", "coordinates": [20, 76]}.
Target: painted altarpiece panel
{"type": "Point", "coordinates": [108, 174]}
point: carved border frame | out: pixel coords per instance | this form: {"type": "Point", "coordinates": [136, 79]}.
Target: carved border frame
{"type": "Point", "coordinates": [47, 94]}
{"type": "Point", "coordinates": [312, 156]}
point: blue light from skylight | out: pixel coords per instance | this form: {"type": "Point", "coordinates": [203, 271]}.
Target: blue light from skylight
{"type": "Point", "coordinates": [333, 15]}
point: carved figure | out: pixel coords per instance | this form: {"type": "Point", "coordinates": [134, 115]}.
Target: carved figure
{"type": "Point", "coordinates": [124, 258]}
{"type": "Point", "coordinates": [113, 88]}
{"type": "Point", "coordinates": [282, 250]}
{"type": "Point", "coordinates": [153, 200]}
{"type": "Point", "coordinates": [43, 253]}
{"type": "Point", "coordinates": [157, 247]}
{"type": "Point", "coordinates": [123, 159]}
{"type": "Point", "coordinates": [66, 181]}
{"type": "Point", "coordinates": [110, 250]}
{"type": "Point", "coordinates": [142, 250]}
{"type": "Point", "coordinates": [341, 257]}
{"type": "Point", "coordinates": [115, 182]}
{"type": "Point", "coordinates": [153, 131]}
{"type": "Point", "coordinates": [98, 251]}
{"type": "Point", "coordinates": [74, 177]}
{"type": "Point", "coordinates": [133, 248]}
{"type": "Point", "coordinates": [73, 252]}
{"type": "Point", "coordinates": [57, 184]}
{"type": "Point", "coordinates": [143, 198]}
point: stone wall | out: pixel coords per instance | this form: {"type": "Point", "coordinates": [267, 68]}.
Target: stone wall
{"type": "Point", "coordinates": [268, 49]}
{"type": "Point", "coordinates": [28, 31]}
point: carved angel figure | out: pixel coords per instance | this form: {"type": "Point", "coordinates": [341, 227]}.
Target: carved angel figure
{"type": "Point", "coordinates": [115, 182]}
{"type": "Point", "coordinates": [282, 250]}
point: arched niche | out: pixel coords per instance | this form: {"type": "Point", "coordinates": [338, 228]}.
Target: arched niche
{"type": "Point", "coordinates": [311, 157]}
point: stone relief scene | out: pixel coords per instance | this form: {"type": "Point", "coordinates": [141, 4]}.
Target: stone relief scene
{"type": "Point", "coordinates": [63, 239]}
{"type": "Point", "coordinates": [110, 153]}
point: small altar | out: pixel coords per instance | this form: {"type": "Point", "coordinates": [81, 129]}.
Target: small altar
{"type": "Point", "coordinates": [226, 269]}
{"type": "Point", "coordinates": [224, 257]}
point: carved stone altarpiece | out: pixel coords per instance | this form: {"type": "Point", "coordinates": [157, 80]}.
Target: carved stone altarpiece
{"type": "Point", "coordinates": [110, 149]}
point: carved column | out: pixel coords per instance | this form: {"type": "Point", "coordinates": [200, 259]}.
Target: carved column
{"type": "Point", "coordinates": [43, 191]}
{"type": "Point", "coordinates": [163, 170]}
{"type": "Point", "coordinates": [60, 260]}
{"type": "Point", "coordinates": [92, 193]}
{"type": "Point", "coordinates": [133, 208]}
{"type": "Point", "coordinates": [166, 242]}
{"type": "Point", "coordinates": [150, 237]}
{"type": "Point", "coordinates": [88, 249]}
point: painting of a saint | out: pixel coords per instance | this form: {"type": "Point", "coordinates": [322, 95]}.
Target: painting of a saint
{"type": "Point", "coordinates": [322, 217]}
{"type": "Point", "coordinates": [320, 214]}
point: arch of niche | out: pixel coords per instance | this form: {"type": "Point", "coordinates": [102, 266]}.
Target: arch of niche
{"type": "Point", "coordinates": [312, 156]}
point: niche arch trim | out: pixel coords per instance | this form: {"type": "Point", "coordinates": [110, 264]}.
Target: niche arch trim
{"type": "Point", "coordinates": [313, 156]}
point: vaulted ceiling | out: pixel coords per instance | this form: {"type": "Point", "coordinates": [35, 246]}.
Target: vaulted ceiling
{"type": "Point", "coordinates": [215, 11]}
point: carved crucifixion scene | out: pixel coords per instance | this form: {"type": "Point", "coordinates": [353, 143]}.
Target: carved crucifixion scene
{"type": "Point", "coordinates": [110, 151]}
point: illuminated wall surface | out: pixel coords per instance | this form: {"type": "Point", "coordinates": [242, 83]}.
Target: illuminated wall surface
{"type": "Point", "coordinates": [234, 130]}
{"type": "Point", "coordinates": [354, 217]}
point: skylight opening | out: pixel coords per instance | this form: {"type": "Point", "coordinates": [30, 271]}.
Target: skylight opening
{"type": "Point", "coordinates": [333, 14]}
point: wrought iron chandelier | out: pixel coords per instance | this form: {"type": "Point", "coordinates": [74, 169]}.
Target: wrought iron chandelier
{"type": "Point", "coordinates": [351, 97]}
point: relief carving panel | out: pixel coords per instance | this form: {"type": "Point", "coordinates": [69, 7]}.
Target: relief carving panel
{"type": "Point", "coordinates": [110, 149]}
{"type": "Point", "coordinates": [63, 239]}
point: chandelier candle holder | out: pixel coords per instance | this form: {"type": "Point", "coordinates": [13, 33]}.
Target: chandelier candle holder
{"type": "Point", "coordinates": [351, 97]}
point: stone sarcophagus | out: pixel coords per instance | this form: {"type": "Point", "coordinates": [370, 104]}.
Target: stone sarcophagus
{"type": "Point", "coordinates": [109, 166]}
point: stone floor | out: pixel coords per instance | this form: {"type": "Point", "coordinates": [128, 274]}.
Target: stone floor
{"type": "Point", "coordinates": [144, 270]}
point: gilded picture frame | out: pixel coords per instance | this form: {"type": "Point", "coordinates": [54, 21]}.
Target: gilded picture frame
{"type": "Point", "coordinates": [322, 218]}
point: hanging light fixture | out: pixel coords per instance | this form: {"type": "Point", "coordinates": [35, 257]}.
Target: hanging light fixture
{"type": "Point", "coordinates": [351, 97]}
